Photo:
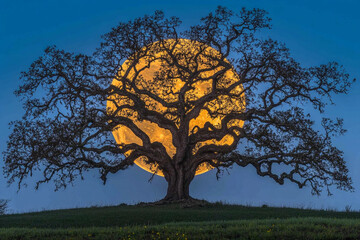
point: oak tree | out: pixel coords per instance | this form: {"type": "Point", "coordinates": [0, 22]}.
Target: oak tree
{"type": "Point", "coordinates": [178, 103]}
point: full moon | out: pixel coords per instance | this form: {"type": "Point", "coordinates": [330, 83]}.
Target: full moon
{"type": "Point", "coordinates": [168, 90]}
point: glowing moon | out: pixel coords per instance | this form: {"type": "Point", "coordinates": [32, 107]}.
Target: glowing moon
{"type": "Point", "coordinates": [149, 79]}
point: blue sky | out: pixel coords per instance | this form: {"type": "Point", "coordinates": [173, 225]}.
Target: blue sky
{"type": "Point", "coordinates": [316, 32]}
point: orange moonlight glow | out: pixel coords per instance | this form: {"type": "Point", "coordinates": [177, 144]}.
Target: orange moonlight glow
{"type": "Point", "coordinates": [148, 79]}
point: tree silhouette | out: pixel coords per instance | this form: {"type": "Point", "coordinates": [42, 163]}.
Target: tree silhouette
{"type": "Point", "coordinates": [179, 102]}
{"type": "Point", "coordinates": [3, 206]}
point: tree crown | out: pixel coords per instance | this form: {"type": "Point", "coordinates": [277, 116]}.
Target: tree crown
{"type": "Point", "coordinates": [172, 98]}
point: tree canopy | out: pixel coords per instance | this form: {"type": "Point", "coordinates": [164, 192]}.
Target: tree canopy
{"type": "Point", "coordinates": [179, 102]}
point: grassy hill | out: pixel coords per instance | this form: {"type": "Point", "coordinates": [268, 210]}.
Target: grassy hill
{"type": "Point", "coordinates": [214, 221]}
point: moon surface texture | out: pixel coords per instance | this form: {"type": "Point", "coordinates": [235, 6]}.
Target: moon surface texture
{"type": "Point", "coordinates": [154, 66]}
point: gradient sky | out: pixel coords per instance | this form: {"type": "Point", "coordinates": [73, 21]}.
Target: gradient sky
{"type": "Point", "coordinates": [315, 31]}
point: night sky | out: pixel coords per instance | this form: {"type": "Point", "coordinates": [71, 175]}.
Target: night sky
{"type": "Point", "coordinates": [315, 31]}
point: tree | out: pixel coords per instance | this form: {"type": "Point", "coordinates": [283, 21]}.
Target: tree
{"type": "Point", "coordinates": [3, 206]}
{"type": "Point", "coordinates": [218, 93]}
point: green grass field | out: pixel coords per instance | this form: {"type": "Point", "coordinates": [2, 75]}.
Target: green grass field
{"type": "Point", "coordinates": [215, 221]}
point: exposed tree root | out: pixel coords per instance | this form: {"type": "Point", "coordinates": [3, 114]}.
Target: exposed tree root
{"type": "Point", "coordinates": [183, 203]}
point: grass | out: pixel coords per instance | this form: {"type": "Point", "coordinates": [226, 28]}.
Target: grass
{"type": "Point", "coordinates": [172, 222]}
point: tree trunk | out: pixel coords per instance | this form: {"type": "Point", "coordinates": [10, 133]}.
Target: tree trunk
{"type": "Point", "coordinates": [178, 185]}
